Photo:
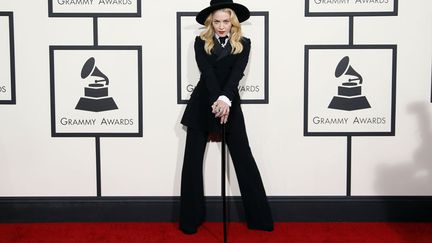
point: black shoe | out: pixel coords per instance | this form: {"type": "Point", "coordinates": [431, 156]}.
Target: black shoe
{"type": "Point", "coordinates": [188, 231]}
{"type": "Point", "coordinates": [268, 228]}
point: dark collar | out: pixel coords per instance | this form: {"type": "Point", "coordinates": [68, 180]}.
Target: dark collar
{"type": "Point", "coordinates": [220, 51]}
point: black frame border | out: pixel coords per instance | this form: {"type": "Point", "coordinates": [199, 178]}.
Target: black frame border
{"type": "Point", "coordinates": [341, 14]}
{"type": "Point", "coordinates": [266, 58]}
{"type": "Point", "coordinates": [54, 133]}
{"type": "Point", "coordinates": [306, 90]}
{"type": "Point", "coordinates": [106, 14]}
{"type": "Point", "coordinates": [12, 101]}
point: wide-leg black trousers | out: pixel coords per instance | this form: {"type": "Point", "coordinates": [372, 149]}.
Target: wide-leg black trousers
{"type": "Point", "coordinates": [192, 205]}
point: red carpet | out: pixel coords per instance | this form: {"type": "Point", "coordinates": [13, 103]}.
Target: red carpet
{"type": "Point", "coordinates": [212, 232]}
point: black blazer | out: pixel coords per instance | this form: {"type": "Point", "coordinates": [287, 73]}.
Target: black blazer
{"type": "Point", "coordinates": [220, 75]}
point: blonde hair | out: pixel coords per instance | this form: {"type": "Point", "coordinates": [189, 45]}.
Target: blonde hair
{"type": "Point", "coordinates": [235, 33]}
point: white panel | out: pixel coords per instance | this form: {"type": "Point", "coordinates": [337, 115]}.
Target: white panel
{"type": "Point", "coordinates": [115, 110]}
{"type": "Point", "coordinates": [400, 165]}
{"type": "Point", "coordinates": [94, 6]}
{"type": "Point", "coordinates": [353, 6]}
{"type": "Point", "coordinates": [35, 164]}
{"type": "Point", "coordinates": [333, 107]}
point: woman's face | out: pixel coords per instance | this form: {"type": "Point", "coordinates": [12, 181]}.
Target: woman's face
{"type": "Point", "coordinates": [221, 23]}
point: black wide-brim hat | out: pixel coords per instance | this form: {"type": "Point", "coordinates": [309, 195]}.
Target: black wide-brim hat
{"type": "Point", "coordinates": [241, 11]}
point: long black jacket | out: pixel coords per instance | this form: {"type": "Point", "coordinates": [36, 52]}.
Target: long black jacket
{"type": "Point", "coordinates": [220, 75]}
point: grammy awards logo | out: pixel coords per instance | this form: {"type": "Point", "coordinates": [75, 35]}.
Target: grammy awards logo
{"type": "Point", "coordinates": [349, 96]}
{"type": "Point", "coordinates": [96, 97]}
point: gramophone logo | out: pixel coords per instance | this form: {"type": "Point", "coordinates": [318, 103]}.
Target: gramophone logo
{"type": "Point", "coordinates": [96, 97]}
{"type": "Point", "coordinates": [349, 96]}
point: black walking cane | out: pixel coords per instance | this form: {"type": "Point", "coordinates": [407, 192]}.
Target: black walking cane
{"type": "Point", "coordinates": [224, 213]}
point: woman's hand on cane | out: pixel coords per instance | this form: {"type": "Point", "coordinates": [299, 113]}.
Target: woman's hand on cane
{"type": "Point", "coordinates": [221, 109]}
{"type": "Point", "coordinates": [224, 119]}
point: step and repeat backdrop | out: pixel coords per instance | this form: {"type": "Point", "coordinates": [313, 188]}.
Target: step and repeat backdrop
{"type": "Point", "coordinates": [337, 97]}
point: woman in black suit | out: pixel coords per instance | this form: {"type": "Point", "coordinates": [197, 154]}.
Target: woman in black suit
{"type": "Point", "coordinates": [221, 53]}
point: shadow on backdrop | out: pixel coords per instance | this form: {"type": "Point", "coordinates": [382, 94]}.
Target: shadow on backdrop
{"type": "Point", "coordinates": [412, 176]}
{"type": "Point", "coordinates": [415, 175]}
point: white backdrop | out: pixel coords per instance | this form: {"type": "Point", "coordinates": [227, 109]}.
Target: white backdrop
{"type": "Point", "coordinates": [33, 163]}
